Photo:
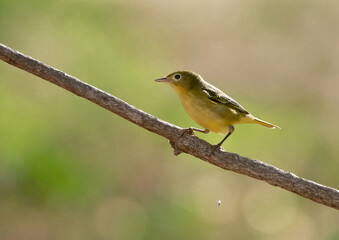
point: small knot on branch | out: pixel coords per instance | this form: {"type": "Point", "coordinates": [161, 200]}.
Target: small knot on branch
{"type": "Point", "coordinates": [174, 142]}
{"type": "Point", "coordinates": [176, 151]}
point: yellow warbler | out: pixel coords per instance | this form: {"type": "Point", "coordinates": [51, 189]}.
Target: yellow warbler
{"type": "Point", "coordinates": [208, 106]}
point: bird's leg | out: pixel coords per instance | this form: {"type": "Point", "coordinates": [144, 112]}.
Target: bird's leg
{"type": "Point", "coordinates": [200, 130]}
{"type": "Point", "coordinates": [184, 131]}
{"type": "Point", "coordinates": [191, 130]}
{"type": "Point", "coordinates": [230, 131]}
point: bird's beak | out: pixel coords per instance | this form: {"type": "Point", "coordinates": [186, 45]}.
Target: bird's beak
{"type": "Point", "coordinates": [161, 79]}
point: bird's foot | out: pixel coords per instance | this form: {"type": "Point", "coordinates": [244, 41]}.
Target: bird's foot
{"type": "Point", "coordinates": [218, 147]}
{"type": "Point", "coordinates": [189, 131]}
{"type": "Point", "coordinates": [192, 130]}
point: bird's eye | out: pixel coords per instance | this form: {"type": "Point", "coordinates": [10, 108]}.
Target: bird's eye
{"type": "Point", "coordinates": [177, 76]}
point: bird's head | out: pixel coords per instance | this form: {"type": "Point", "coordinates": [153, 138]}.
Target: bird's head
{"type": "Point", "coordinates": [181, 79]}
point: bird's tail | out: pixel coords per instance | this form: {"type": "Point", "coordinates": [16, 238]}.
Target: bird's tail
{"type": "Point", "coordinates": [266, 124]}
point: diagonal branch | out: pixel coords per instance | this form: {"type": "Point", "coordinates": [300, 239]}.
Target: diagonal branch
{"type": "Point", "coordinates": [180, 141]}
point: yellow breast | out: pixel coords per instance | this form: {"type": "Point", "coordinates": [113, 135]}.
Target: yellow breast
{"type": "Point", "coordinates": [210, 115]}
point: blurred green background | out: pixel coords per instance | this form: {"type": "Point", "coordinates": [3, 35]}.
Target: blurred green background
{"type": "Point", "coordinates": [72, 170]}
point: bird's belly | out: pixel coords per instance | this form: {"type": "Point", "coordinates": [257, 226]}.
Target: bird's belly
{"type": "Point", "coordinates": [212, 116]}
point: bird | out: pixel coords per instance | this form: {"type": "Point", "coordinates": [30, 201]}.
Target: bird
{"type": "Point", "coordinates": [208, 106]}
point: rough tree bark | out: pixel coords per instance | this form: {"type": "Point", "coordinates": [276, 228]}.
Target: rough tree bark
{"type": "Point", "coordinates": [180, 140]}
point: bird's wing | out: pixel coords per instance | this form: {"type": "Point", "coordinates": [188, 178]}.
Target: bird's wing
{"type": "Point", "coordinates": [220, 97]}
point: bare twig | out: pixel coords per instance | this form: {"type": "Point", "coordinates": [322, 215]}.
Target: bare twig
{"type": "Point", "coordinates": [180, 141]}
